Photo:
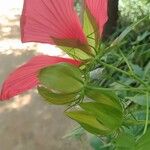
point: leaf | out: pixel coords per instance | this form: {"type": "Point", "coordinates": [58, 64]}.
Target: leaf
{"type": "Point", "coordinates": [109, 116]}
{"type": "Point", "coordinates": [102, 96]}
{"type": "Point", "coordinates": [88, 122]}
{"type": "Point", "coordinates": [142, 36]}
{"type": "Point", "coordinates": [125, 142]}
{"type": "Point", "coordinates": [54, 98]}
{"type": "Point", "coordinates": [126, 32]}
{"type": "Point", "coordinates": [137, 70]}
{"type": "Point", "coordinates": [139, 99]}
{"type": "Point", "coordinates": [62, 78]}
{"type": "Point", "coordinates": [144, 142]}
{"type": "Point", "coordinates": [147, 71]}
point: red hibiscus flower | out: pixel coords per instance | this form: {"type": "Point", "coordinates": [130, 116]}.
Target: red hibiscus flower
{"type": "Point", "coordinates": [54, 22]}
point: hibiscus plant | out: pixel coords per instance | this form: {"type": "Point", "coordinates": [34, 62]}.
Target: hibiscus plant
{"type": "Point", "coordinates": [86, 82]}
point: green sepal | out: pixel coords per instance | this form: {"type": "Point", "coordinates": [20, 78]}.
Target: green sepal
{"type": "Point", "coordinates": [62, 78]}
{"type": "Point", "coordinates": [56, 98]}
{"type": "Point", "coordinates": [89, 122]}
{"type": "Point", "coordinates": [109, 116]}
{"type": "Point", "coordinates": [104, 97]}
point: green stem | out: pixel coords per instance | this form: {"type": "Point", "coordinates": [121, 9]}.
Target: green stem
{"type": "Point", "coordinates": [123, 72]}
{"type": "Point", "coordinates": [114, 68]}
{"type": "Point", "coordinates": [141, 90]}
{"type": "Point", "coordinates": [147, 113]}
{"type": "Point", "coordinates": [136, 122]}
{"type": "Point", "coordinates": [139, 80]}
{"type": "Point", "coordinates": [127, 62]}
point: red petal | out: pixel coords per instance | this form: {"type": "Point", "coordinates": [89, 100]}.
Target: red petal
{"type": "Point", "coordinates": [98, 10]}
{"type": "Point", "coordinates": [48, 20]}
{"type": "Point", "coordinates": [25, 77]}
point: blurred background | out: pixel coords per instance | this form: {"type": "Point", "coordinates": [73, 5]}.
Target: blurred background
{"type": "Point", "coordinates": [27, 122]}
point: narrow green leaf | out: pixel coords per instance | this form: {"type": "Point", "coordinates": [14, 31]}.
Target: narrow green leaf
{"type": "Point", "coordinates": [62, 77]}
{"type": "Point", "coordinates": [126, 32]}
{"type": "Point", "coordinates": [54, 98]}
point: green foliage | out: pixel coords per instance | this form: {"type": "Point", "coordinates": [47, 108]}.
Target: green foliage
{"type": "Point", "coordinates": [108, 95]}
{"type": "Point", "coordinates": [144, 142]}
{"type": "Point", "coordinates": [121, 37]}
{"type": "Point", "coordinates": [133, 10]}
{"type": "Point", "coordinates": [125, 142]}
{"type": "Point", "coordinates": [99, 117]}
{"type": "Point", "coordinates": [128, 142]}
{"type": "Point", "coordinates": [140, 99]}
